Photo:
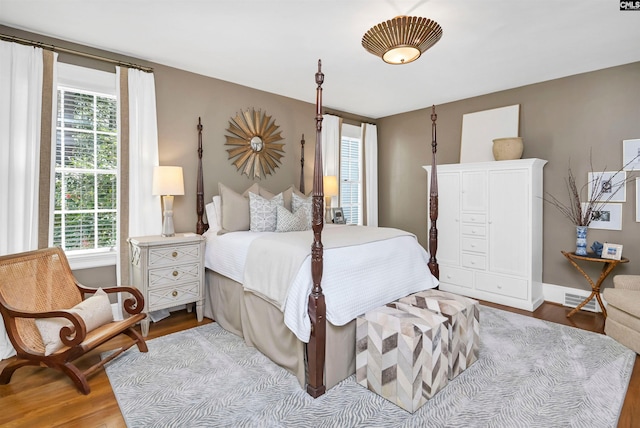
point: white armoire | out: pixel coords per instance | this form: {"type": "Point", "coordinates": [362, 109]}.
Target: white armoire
{"type": "Point", "coordinates": [490, 230]}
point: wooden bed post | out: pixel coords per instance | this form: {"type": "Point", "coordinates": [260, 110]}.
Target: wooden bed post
{"type": "Point", "coordinates": [433, 200]}
{"type": "Point", "coordinates": [317, 309]}
{"type": "Point", "coordinates": [302, 165]}
{"type": "Point", "coordinates": [201, 227]}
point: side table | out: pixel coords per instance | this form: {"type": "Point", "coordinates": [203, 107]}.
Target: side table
{"type": "Point", "coordinates": [169, 271]}
{"type": "Point", "coordinates": [607, 267]}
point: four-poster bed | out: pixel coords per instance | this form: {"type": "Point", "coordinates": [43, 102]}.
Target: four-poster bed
{"type": "Point", "coordinates": [323, 354]}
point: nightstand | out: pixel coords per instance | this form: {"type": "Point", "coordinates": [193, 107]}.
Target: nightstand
{"type": "Point", "coordinates": [169, 271]}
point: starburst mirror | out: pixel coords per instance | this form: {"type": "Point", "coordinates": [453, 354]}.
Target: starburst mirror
{"type": "Point", "coordinates": [254, 136]}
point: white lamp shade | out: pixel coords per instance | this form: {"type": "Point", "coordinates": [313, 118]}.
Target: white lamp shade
{"type": "Point", "coordinates": [330, 185]}
{"type": "Point", "coordinates": [167, 180]}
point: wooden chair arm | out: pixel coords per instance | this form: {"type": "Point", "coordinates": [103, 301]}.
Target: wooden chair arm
{"type": "Point", "coordinates": [133, 305]}
{"type": "Point", "coordinates": [71, 335]}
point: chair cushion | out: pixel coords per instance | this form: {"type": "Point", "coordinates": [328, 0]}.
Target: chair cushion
{"type": "Point", "coordinates": [94, 311]}
{"type": "Point", "coordinates": [625, 300]}
{"type": "Point", "coordinates": [628, 282]}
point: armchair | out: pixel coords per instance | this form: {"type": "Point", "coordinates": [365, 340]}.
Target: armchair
{"type": "Point", "coordinates": [623, 311]}
{"type": "Point", "coordinates": [37, 288]}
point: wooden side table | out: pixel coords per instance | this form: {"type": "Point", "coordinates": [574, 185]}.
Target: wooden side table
{"type": "Point", "coordinates": [607, 267]}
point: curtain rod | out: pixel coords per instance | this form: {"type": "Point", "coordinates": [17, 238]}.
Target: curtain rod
{"type": "Point", "coordinates": [73, 52]}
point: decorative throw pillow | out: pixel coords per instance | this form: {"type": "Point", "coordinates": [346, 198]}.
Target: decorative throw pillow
{"type": "Point", "coordinates": [288, 222]}
{"type": "Point", "coordinates": [214, 214]}
{"type": "Point", "coordinates": [235, 208]}
{"type": "Point", "coordinates": [94, 311]}
{"type": "Point", "coordinates": [301, 203]}
{"type": "Point", "coordinates": [263, 212]}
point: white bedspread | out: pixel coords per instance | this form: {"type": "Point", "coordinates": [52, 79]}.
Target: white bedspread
{"type": "Point", "coordinates": [355, 278]}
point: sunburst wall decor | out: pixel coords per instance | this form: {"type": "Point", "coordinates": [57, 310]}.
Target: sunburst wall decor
{"type": "Point", "coordinates": [254, 135]}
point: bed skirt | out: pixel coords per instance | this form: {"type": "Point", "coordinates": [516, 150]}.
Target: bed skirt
{"type": "Point", "coordinates": [262, 326]}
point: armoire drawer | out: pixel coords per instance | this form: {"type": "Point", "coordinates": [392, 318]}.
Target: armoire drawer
{"type": "Point", "coordinates": [473, 230]}
{"type": "Point", "coordinates": [474, 261]}
{"type": "Point", "coordinates": [512, 287]}
{"type": "Point", "coordinates": [474, 218]}
{"type": "Point", "coordinates": [461, 277]}
{"type": "Point", "coordinates": [477, 245]}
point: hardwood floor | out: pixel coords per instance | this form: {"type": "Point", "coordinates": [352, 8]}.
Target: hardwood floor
{"type": "Point", "coordinates": [38, 397]}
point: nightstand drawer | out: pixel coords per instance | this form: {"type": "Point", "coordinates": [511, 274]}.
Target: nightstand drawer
{"type": "Point", "coordinates": [167, 297]}
{"type": "Point", "coordinates": [474, 244]}
{"type": "Point", "coordinates": [171, 255]}
{"type": "Point", "coordinates": [161, 277]}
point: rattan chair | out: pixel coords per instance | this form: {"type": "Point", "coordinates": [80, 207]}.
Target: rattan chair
{"type": "Point", "coordinates": [40, 285]}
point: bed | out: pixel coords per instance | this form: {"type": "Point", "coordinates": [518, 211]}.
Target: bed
{"type": "Point", "coordinates": [293, 305]}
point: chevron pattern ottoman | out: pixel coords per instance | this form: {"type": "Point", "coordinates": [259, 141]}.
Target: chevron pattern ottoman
{"type": "Point", "coordinates": [463, 315]}
{"type": "Point", "coordinates": [400, 356]}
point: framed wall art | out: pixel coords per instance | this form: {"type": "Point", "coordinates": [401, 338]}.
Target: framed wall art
{"type": "Point", "coordinates": [631, 155]}
{"type": "Point", "coordinates": [611, 251]}
{"type": "Point", "coordinates": [479, 129]}
{"type": "Point", "coordinates": [607, 216]}
{"type": "Point", "coordinates": [607, 186]}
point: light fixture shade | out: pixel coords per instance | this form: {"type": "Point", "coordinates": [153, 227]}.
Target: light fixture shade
{"type": "Point", "coordinates": [330, 185]}
{"type": "Point", "coordinates": [403, 39]}
{"type": "Point", "coordinates": [167, 180]}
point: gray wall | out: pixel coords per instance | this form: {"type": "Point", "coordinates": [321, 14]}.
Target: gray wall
{"type": "Point", "coordinates": [560, 120]}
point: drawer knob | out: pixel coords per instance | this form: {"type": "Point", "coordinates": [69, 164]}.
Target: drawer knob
{"type": "Point", "coordinates": [174, 254]}
{"type": "Point", "coordinates": [175, 273]}
{"type": "Point", "coordinates": [499, 287]}
{"type": "Point", "coordinates": [473, 245]}
{"type": "Point", "coordinates": [175, 293]}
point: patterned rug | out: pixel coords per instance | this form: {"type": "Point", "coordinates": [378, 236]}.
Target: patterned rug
{"type": "Point", "coordinates": [531, 373]}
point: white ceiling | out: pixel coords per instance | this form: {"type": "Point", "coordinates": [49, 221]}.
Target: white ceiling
{"type": "Point", "coordinates": [487, 45]}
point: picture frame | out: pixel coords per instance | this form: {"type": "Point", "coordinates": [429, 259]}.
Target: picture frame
{"type": "Point", "coordinates": [606, 216]}
{"type": "Point", "coordinates": [609, 186]}
{"type": "Point", "coordinates": [338, 216]}
{"type": "Point", "coordinates": [631, 155]}
{"type": "Point", "coordinates": [611, 251]}
{"type": "Point", "coordinates": [638, 199]}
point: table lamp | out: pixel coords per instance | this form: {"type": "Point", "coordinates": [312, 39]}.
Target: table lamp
{"type": "Point", "coordinates": [167, 182]}
{"type": "Point", "coordinates": [330, 185]}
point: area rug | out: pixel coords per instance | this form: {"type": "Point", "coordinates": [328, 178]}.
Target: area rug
{"type": "Point", "coordinates": [531, 373]}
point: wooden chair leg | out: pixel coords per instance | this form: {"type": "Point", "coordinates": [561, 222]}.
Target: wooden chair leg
{"type": "Point", "coordinates": [137, 338]}
{"type": "Point", "coordinates": [7, 372]}
{"type": "Point", "coordinates": [76, 376]}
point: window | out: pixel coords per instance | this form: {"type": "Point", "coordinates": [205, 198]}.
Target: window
{"type": "Point", "coordinates": [86, 167]}
{"type": "Point", "coordinates": [351, 174]}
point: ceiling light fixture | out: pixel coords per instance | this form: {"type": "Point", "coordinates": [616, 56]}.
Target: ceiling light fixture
{"type": "Point", "coordinates": [403, 39]}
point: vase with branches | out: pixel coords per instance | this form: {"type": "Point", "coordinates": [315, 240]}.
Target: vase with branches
{"type": "Point", "coordinates": [582, 209]}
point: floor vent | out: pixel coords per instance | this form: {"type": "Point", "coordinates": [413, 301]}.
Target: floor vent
{"type": "Point", "coordinates": [573, 300]}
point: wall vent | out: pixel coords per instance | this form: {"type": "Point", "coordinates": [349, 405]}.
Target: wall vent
{"type": "Point", "coordinates": [573, 300]}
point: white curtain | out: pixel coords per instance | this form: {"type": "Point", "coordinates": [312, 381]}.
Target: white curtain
{"type": "Point", "coordinates": [370, 144]}
{"type": "Point", "coordinates": [331, 149]}
{"type": "Point", "coordinates": [20, 112]}
{"type": "Point", "coordinates": [144, 210]}
{"type": "Point", "coordinates": [145, 214]}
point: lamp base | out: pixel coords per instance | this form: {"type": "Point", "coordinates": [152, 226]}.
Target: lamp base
{"type": "Point", "coordinates": [327, 209]}
{"type": "Point", "coordinates": [167, 223]}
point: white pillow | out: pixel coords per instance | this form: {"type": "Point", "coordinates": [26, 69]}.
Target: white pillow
{"type": "Point", "coordinates": [288, 222]}
{"type": "Point", "coordinates": [94, 311]}
{"type": "Point", "coordinates": [214, 213]}
{"type": "Point", "coordinates": [263, 212]}
{"type": "Point", "coordinates": [305, 204]}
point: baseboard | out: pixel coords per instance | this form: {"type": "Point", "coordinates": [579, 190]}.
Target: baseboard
{"type": "Point", "coordinates": [555, 294]}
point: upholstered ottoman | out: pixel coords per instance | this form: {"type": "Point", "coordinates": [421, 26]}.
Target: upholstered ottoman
{"type": "Point", "coordinates": [400, 357]}
{"type": "Point", "coordinates": [463, 315]}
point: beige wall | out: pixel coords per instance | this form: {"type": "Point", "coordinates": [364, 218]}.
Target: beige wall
{"type": "Point", "coordinates": [560, 120]}
{"type": "Point", "coordinates": [182, 97]}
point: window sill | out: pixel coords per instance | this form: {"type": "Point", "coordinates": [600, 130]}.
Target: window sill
{"type": "Point", "coordinates": [88, 260]}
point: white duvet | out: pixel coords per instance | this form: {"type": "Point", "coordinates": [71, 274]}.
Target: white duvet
{"type": "Point", "coordinates": [355, 278]}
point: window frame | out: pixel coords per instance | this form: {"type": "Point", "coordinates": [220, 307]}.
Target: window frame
{"type": "Point", "coordinates": [101, 83]}
{"type": "Point", "coordinates": [354, 133]}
